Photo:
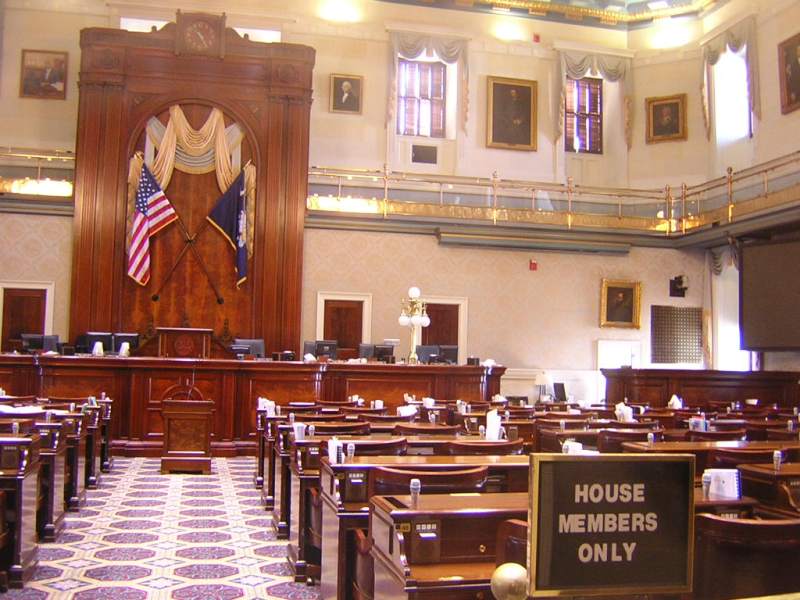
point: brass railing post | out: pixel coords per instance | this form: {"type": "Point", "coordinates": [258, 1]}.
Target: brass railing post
{"type": "Point", "coordinates": [385, 190]}
{"type": "Point", "coordinates": [730, 194]}
{"type": "Point", "coordinates": [668, 203]}
{"type": "Point", "coordinates": [495, 183]}
{"type": "Point", "coordinates": [683, 207]}
{"type": "Point", "coordinates": [569, 202]}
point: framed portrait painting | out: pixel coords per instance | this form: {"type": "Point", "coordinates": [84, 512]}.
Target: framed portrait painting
{"type": "Point", "coordinates": [620, 303]}
{"type": "Point", "coordinates": [789, 73]}
{"type": "Point", "coordinates": [666, 118]}
{"type": "Point", "coordinates": [511, 113]}
{"type": "Point", "coordinates": [43, 75]}
{"type": "Point", "coordinates": [346, 93]}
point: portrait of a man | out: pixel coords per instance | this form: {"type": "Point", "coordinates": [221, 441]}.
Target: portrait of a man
{"type": "Point", "coordinates": [789, 72]}
{"type": "Point", "coordinates": [620, 303]}
{"type": "Point", "coordinates": [666, 118]}
{"type": "Point", "coordinates": [511, 115]}
{"type": "Point", "coordinates": [346, 93]}
{"type": "Point", "coordinates": [43, 75]}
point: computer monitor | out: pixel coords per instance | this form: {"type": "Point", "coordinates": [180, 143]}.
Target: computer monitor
{"type": "Point", "coordinates": [309, 348]}
{"type": "Point", "coordinates": [254, 346]}
{"type": "Point", "coordinates": [91, 337]}
{"type": "Point", "coordinates": [36, 342]}
{"type": "Point", "coordinates": [326, 348]}
{"type": "Point", "coordinates": [448, 354]}
{"type": "Point", "coordinates": [131, 338]}
{"type": "Point", "coordinates": [383, 352]}
{"type": "Point", "coordinates": [427, 354]}
{"type": "Point", "coordinates": [366, 350]}
{"type": "Point", "coordinates": [559, 392]}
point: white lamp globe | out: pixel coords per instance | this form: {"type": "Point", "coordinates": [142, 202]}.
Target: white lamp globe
{"type": "Point", "coordinates": [404, 320]}
{"type": "Point", "coordinates": [416, 320]}
{"type": "Point", "coordinates": [425, 320]}
{"type": "Point", "coordinates": [413, 292]}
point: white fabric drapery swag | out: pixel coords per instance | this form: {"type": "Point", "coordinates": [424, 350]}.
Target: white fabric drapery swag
{"type": "Point", "coordinates": [734, 38]}
{"type": "Point", "coordinates": [576, 65]}
{"type": "Point", "coordinates": [412, 46]}
{"type": "Point", "coordinates": [213, 147]}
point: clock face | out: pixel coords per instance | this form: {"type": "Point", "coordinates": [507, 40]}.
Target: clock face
{"type": "Point", "coordinates": [200, 36]}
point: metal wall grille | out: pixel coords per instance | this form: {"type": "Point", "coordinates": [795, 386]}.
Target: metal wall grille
{"type": "Point", "coordinates": [676, 334]}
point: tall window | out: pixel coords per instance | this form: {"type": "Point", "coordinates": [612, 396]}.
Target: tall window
{"type": "Point", "coordinates": [583, 124]}
{"type": "Point", "coordinates": [421, 94]}
{"type": "Point", "coordinates": [731, 102]}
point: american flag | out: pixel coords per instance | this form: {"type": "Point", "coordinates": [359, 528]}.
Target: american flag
{"type": "Point", "coordinates": [153, 212]}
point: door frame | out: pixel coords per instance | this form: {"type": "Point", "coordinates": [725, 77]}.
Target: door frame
{"type": "Point", "coordinates": [463, 304]}
{"type": "Point", "coordinates": [49, 286]}
{"type": "Point", "coordinates": [366, 313]}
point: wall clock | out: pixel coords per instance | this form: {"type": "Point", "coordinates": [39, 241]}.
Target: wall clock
{"type": "Point", "coordinates": [200, 33]}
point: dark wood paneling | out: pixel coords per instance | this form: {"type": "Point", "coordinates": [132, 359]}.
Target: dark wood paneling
{"type": "Point", "coordinates": [23, 312]}
{"type": "Point", "coordinates": [125, 79]}
{"type": "Point", "coordinates": [138, 387]}
{"type": "Point", "coordinates": [698, 388]}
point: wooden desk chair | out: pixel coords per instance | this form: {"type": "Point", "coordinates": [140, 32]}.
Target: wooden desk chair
{"type": "Point", "coordinates": [317, 417]}
{"type": "Point", "coordinates": [602, 411]}
{"type": "Point", "coordinates": [716, 436]}
{"type": "Point", "coordinates": [736, 558]}
{"type": "Point", "coordinates": [18, 399]}
{"type": "Point", "coordinates": [387, 480]}
{"type": "Point", "coordinates": [364, 410]}
{"type": "Point", "coordinates": [611, 440]}
{"type": "Point", "coordinates": [730, 458]}
{"type": "Point", "coordinates": [426, 429]}
{"type": "Point", "coordinates": [392, 447]}
{"type": "Point", "coordinates": [371, 418]}
{"type": "Point", "coordinates": [517, 412]}
{"type": "Point", "coordinates": [336, 403]}
{"type": "Point", "coordinates": [340, 428]}
{"type": "Point", "coordinates": [665, 418]}
{"type": "Point", "coordinates": [512, 542]}
{"type": "Point", "coordinates": [757, 429]}
{"type": "Point", "coordinates": [644, 424]}
{"type": "Point", "coordinates": [461, 448]}
{"type": "Point", "coordinates": [782, 434]}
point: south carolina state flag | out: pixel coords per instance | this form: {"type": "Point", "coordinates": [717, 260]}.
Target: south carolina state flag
{"type": "Point", "coordinates": [229, 216]}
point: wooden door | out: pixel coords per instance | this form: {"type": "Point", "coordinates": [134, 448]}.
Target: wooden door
{"type": "Point", "coordinates": [443, 330]}
{"type": "Point", "coordinates": [343, 322]}
{"type": "Point", "coordinates": [23, 312]}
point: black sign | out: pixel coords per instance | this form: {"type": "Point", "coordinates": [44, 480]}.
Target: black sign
{"type": "Point", "coordinates": [611, 524]}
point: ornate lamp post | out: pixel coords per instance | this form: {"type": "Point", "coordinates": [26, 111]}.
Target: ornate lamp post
{"type": "Point", "coordinates": [413, 315]}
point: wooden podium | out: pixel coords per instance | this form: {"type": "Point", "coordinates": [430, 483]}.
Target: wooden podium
{"type": "Point", "coordinates": [187, 435]}
{"type": "Point", "coordinates": [184, 342]}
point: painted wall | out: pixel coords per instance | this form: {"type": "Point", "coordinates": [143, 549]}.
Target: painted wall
{"type": "Point", "coordinates": [523, 319]}
{"type": "Point", "coordinates": [39, 249]}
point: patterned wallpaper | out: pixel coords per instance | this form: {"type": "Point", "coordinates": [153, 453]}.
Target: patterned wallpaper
{"type": "Point", "coordinates": [38, 248]}
{"type": "Point", "coordinates": [547, 318]}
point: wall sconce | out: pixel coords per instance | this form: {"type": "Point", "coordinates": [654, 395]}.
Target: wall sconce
{"type": "Point", "coordinates": [678, 286]}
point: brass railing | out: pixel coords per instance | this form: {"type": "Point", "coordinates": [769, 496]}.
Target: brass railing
{"type": "Point", "coordinates": [673, 210]}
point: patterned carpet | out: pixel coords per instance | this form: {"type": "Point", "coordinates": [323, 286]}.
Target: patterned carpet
{"type": "Point", "coordinates": [144, 535]}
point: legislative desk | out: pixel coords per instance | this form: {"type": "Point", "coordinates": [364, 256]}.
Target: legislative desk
{"type": "Point", "coordinates": [701, 450]}
{"type": "Point", "coordinates": [700, 387]}
{"type": "Point", "coordinates": [779, 490]}
{"type": "Point", "coordinates": [345, 494]}
{"type": "Point", "coordinates": [140, 384]}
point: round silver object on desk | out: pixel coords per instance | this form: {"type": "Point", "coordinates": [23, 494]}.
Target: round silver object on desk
{"type": "Point", "coordinates": [510, 582]}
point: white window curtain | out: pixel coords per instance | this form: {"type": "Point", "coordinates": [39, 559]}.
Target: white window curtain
{"type": "Point", "coordinates": [577, 65]}
{"type": "Point", "coordinates": [742, 34]}
{"type": "Point", "coordinates": [449, 50]}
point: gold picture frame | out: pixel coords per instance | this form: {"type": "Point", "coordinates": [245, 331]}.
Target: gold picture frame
{"type": "Point", "coordinates": [620, 303]}
{"type": "Point", "coordinates": [789, 73]}
{"type": "Point", "coordinates": [43, 74]}
{"type": "Point", "coordinates": [666, 118]}
{"type": "Point", "coordinates": [347, 93]}
{"type": "Point", "coordinates": [511, 113]}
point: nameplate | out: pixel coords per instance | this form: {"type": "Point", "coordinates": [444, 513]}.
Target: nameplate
{"type": "Point", "coordinates": [611, 524]}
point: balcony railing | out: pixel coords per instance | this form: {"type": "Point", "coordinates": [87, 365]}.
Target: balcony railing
{"type": "Point", "coordinates": [670, 211]}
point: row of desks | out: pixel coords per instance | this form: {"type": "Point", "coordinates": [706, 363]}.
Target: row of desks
{"type": "Point", "coordinates": [318, 507]}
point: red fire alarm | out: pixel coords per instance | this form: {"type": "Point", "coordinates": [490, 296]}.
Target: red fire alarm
{"type": "Point", "coordinates": [536, 38]}
{"type": "Point", "coordinates": [533, 265]}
